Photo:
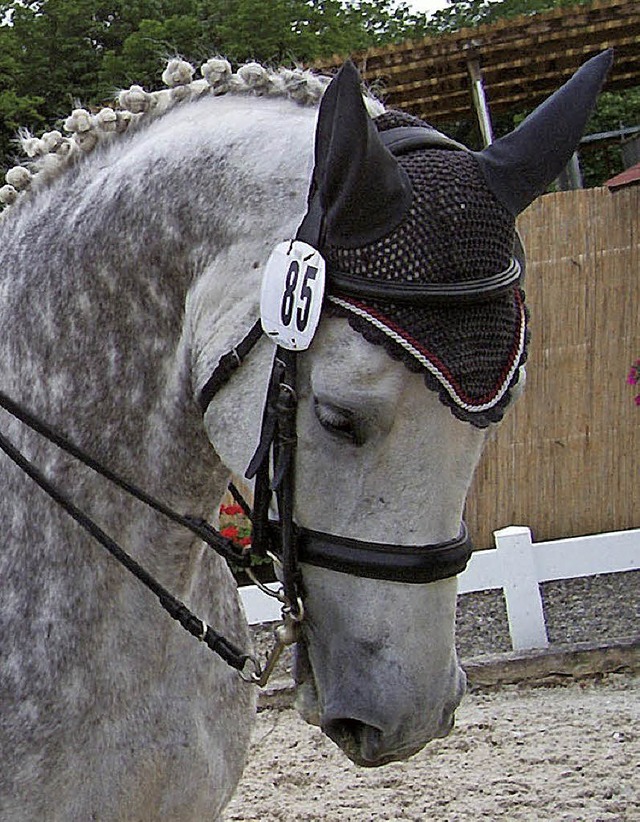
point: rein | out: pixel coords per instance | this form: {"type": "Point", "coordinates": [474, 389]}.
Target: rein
{"type": "Point", "coordinates": [196, 626]}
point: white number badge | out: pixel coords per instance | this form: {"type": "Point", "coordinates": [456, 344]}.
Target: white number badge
{"type": "Point", "coordinates": [291, 296]}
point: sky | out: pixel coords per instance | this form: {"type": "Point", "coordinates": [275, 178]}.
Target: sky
{"type": "Point", "coordinates": [426, 5]}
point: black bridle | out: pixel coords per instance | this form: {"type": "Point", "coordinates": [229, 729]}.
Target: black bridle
{"type": "Point", "coordinates": [273, 467]}
{"type": "Point", "coordinates": [273, 464]}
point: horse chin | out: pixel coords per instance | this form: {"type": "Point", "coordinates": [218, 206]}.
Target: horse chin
{"type": "Point", "coordinates": [354, 752]}
{"type": "Point", "coordinates": [363, 745]}
{"type": "Point", "coordinates": [307, 703]}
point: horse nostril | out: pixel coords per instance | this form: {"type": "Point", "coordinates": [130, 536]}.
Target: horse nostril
{"type": "Point", "coordinates": [361, 742]}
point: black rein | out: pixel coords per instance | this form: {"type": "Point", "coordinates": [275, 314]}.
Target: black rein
{"type": "Point", "coordinates": [221, 646]}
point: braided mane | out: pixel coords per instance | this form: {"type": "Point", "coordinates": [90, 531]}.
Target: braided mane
{"type": "Point", "coordinates": [47, 157]}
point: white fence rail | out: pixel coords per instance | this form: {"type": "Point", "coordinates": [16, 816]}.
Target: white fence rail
{"type": "Point", "coordinates": [517, 566]}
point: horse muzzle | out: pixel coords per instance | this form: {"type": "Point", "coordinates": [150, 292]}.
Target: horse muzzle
{"type": "Point", "coordinates": [368, 725]}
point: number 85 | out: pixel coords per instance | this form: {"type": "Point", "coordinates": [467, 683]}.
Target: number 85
{"type": "Point", "coordinates": [304, 299]}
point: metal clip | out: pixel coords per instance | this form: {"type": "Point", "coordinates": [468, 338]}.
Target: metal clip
{"type": "Point", "coordinates": [278, 594]}
{"type": "Point", "coordinates": [285, 634]}
{"type": "Point", "coordinates": [250, 676]}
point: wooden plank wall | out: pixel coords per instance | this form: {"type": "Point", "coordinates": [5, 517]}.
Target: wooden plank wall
{"type": "Point", "coordinates": [566, 460]}
{"type": "Point", "coordinates": [524, 59]}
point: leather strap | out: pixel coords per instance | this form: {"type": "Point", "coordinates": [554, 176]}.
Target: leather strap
{"type": "Point", "coordinates": [419, 294]}
{"type": "Point", "coordinates": [404, 139]}
{"type": "Point", "coordinates": [398, 563]}
{"type": "Point", "coordinates": [227, 365]}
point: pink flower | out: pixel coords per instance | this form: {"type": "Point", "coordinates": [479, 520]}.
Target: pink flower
{"type": "Point", "coordinates": [633, 378]}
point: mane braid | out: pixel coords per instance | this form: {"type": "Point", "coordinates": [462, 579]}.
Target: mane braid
{"type": "Point", "coordinates": [48, 156]}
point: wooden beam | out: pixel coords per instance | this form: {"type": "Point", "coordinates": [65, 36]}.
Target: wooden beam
{"type": "Point", "coordinates": [523, 59]}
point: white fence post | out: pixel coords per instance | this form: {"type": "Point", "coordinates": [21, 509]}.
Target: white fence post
{"type": "Point", "coordinates": [521, 588]}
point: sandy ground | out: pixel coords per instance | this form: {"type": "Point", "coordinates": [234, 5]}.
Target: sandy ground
{"type": "Point", "coordinates": [569, 752]}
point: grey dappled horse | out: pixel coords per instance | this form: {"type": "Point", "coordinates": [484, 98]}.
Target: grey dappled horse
{"type": "Point", "coordinates": [132, 254]}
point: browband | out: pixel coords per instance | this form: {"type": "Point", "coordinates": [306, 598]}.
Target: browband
{"type": "Point", "coordinates": [469, 291]}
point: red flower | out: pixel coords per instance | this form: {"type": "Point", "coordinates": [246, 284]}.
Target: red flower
{"type": "Point", "coordinates": [230, 532]}
{"type": "Point", "coordinates": [231, 510]}
{"type": "Point", "coordinates": [244, 541]}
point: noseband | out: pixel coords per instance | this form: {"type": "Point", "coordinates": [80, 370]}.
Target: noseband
{"type": "Point", "coordinates": [398, 563]}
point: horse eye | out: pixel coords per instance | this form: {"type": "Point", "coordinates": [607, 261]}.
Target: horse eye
{"type": "Point", "coordinates": [339, 422]}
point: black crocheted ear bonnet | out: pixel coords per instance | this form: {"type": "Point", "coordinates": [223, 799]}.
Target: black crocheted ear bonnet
{"type": "Point", "coordinates": [402, 213]}
{"type": "Point", "coordinates": [454, 231]}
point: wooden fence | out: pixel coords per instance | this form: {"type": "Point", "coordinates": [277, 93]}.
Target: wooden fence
{"type": "Point", "coordinates": [566, 460]}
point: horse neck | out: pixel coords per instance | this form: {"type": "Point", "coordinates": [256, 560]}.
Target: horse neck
{"type": "Point", "coordinates": [103, 264]}
{"type": "Point", "coordinates": [260, 177]}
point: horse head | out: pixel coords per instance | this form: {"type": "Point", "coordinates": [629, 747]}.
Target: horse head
{"type": "Point", "coordinates": [423, 291]}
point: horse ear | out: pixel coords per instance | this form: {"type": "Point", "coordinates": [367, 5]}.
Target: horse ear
{"type": "Point", "coordinates": [520, 166]}
{"type": "Point", "coordinates": [359, 192]}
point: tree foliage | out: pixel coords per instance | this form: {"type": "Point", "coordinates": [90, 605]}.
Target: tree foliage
{"type": "Point", "coordinates": [53, 52]}
{"type": "Point", "coordinates": [56, 52]}
{"type": "Point", "coordinates": [471, 13]}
